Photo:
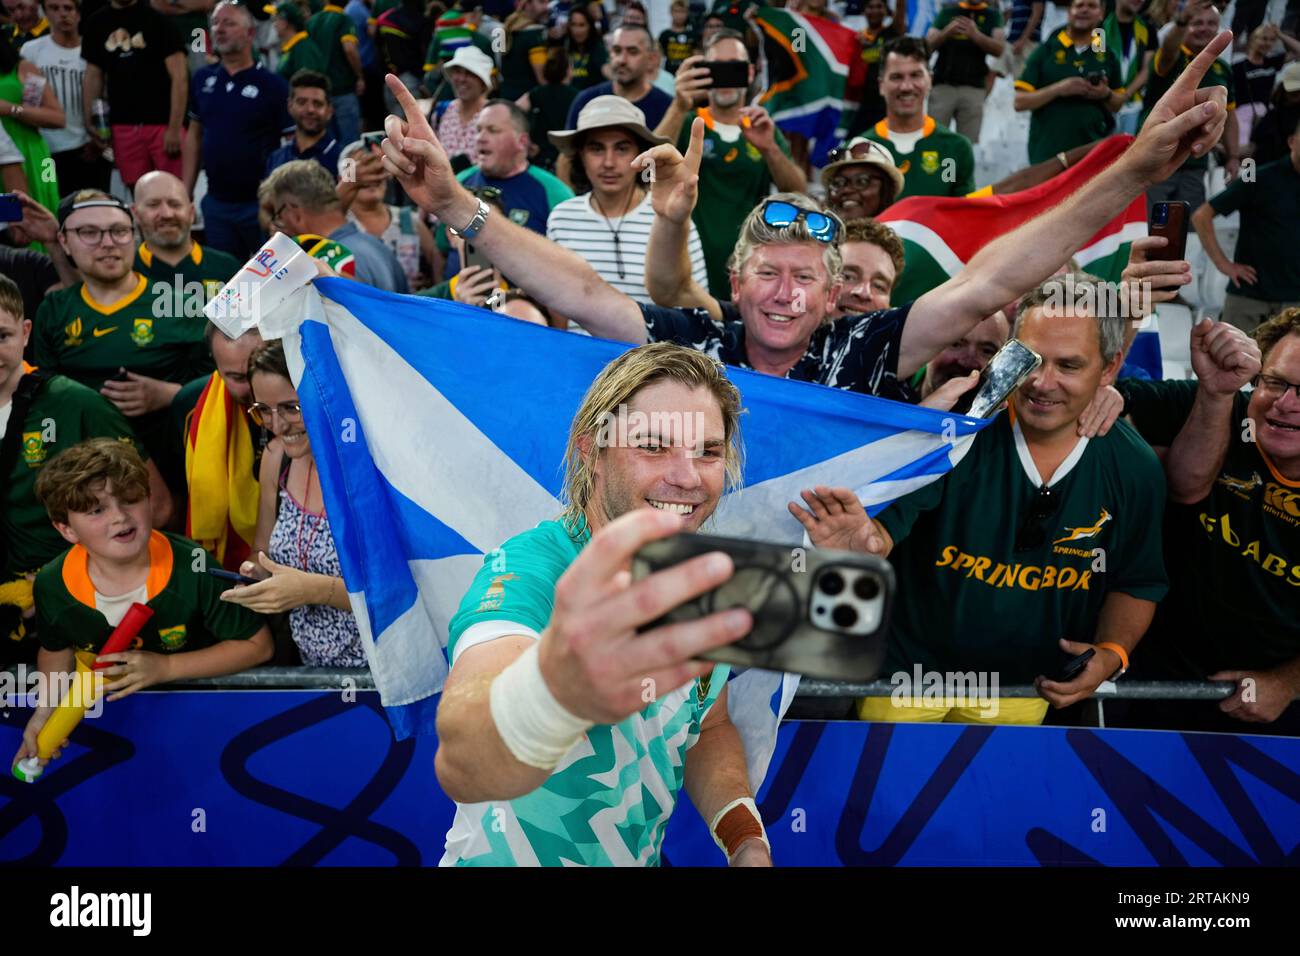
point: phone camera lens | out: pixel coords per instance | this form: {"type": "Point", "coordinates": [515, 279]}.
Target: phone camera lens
{"type": "Point", "coordinates": [844, 615]}
{"type": "Point", "coordinates": [866, 588]}
{"type": "Point", "coordinates": [831, 583]}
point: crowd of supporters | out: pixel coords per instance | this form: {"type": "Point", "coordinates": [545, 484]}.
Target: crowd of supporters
{"type": "Point", "coordinates": [151, 148]}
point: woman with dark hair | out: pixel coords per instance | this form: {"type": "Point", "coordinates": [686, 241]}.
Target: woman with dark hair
{"type": "Point", "coordinates": [296, 558]}
{"type": "Point", "coordinates": [28, 104]}
{"type": "Point", "coordinates": [586, 49]}
{"type": "Point", "coordinates": [548, 106]}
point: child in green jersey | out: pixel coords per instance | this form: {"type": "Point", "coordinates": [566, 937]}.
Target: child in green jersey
{"type": "Point", "coordinates": [97, 496]}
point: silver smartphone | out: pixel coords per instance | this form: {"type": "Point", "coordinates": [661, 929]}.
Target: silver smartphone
{"type": "Point", "coordinates": [1005, 373]}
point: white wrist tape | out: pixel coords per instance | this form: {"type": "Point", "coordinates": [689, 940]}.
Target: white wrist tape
{"type": "Point", "coordinates": [535, 727]}
{"type": "Point", "coordinates": [749, 804]}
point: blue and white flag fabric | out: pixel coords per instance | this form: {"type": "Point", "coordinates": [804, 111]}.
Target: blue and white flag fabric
{"type": "Point", "coordinates": [439, 432]}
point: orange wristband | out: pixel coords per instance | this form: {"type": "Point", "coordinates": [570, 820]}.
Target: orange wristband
{"type": "Point", "coordinates": [1123, 656]}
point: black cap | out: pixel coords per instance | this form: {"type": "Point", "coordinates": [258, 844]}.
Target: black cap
{"type": "Point", "coordinates": [69, 204]}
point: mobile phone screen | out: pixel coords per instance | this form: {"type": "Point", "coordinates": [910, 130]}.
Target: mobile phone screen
{"type": "Point", "coordinates": [728, 74]}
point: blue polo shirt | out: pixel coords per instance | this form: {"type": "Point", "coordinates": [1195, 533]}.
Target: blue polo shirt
{"type": "Point", "coordinates": [325, 151]}
{"type": "Point", "coordinates": [527, 198]}
{"type": "Point", "coordinates": [654, 104]}
{"type": "Point", "coordinates": [244, 117]}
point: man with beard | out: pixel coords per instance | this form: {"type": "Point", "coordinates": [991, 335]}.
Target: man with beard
{"type": "Point", "coordinates": [115, 332]}
{"type": "Point", "coordinates": [633, 66]}
{"type": "Point", "coordinates": [311, 111]}
{"type": "Point", "coordinates": [237, 116]}
{"type": "Point", "coordinates": [564, 732]}
{"type": "Point", "coordinates": [168, 253]}
{"type": "Point", "coordinates": [785, 275]}
{"type": "Point", "coordinates": [744, 156]}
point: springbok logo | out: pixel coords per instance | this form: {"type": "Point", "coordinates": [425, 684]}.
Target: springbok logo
{"type": "Point", "coordinates": [72, 333]}
{"type": "Point", "coordinates": [1239, 484]}
{"type": "Point", "coordinates": [1089, 531]}
{"type": "Point", "coordinates": [496, 592]}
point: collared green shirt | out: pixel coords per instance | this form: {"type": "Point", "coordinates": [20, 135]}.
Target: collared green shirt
{"type": "Point", "coordinates": [88, 341]}
{"type": "Point", "coordinates": [1067, 121]}
{"type": "Point", "coordinates": [941, 164]}
{"type": "Point", "coordinates": [331, 28]}
{"type": "Point", "coordinates": [300, 52]}
{"type": "Point", "coordinates": [63, 413]}
{"type": "Point", "coordinates": [204, 267]}
{"type": "Point", "coordinates": [968, 600]}
{"type": "Point", "coordinates": [188, 614]}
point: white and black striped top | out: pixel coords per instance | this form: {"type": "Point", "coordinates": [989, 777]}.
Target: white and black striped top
{"type": "Point", "coordinates": [575, 224]}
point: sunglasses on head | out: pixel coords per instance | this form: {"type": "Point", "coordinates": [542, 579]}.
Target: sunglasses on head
{"type": "Point", "coordinates": [858, 151]}
{"type": "Point", "coordinates": [821, 227]}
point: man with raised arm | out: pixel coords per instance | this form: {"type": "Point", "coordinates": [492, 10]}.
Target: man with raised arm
{"type": "Point", "coordinates": [784, 287]}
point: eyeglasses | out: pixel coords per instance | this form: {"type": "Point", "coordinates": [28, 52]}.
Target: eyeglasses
{"type": "Point", "coordinates": [277, 213]}
{"type": "Point", "coordinates": [821, 227]}
{"type": "Point", "coordinates": [861, 182]}
{"type": "Point", "coordinates": [93, 235]}
{"type": "Point", "coordinates": [1272, 385]}
{"type": "Point", "coordinates": [265, 414]}
{"type": "Point", "coordinates": [1032, 534]}
{"type": "Point", "coordinates": [858, 151]}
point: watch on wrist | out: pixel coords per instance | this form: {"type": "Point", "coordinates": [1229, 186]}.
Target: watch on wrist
{"type": "Point", "coordinates": [472, 229]}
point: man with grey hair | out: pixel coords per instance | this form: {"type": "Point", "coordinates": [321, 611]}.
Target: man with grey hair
{"type": "Point", "coordinates": [238, 114]}
{"type": "Point", "coordinates": [785, 290]}
{"type": "Point", "coordinates": [299, 199]}
{"type": "Point", "coordinates": [1040, 545]}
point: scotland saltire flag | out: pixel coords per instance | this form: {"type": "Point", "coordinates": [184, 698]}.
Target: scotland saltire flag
{"type": "Point", "coordinates": [439, 432]}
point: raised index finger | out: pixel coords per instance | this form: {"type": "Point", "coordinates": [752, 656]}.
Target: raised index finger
{"type": "Point", "coordinates": [416, 123]}
{"type": "Point", "coordinates": [1187, 83]}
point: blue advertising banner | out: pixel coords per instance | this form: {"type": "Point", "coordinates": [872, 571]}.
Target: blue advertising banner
{"type": "Point", "coordinates": [275, 778]}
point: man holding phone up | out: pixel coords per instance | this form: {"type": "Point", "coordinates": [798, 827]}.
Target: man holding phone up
{"type": "Point", "coordinates": [744, 156]}
{"type": "Point", "coordinates": [564, 734]}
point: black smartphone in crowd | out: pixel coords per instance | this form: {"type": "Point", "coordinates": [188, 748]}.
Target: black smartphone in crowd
{"type": "Point", "coordinates": [231, 576]}
{"type": "Point", "coordinates": [728, 74]}
{"type": "Point", "coordinates": [819, 613]}
{"type": "Point", "coordinates": [1075, 665]}
{"type": "Point", "coordinates": [1095, 77]}
{"type": "Point", "coordinates": [1169, 219]}
{"type": "Point", "coordinates": [11, 208]}
{"type": "Point", "coordinates": [373, 139]}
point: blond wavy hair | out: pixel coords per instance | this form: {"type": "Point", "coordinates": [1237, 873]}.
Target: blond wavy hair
{"type": "Point", "coordinates": [616, 385]}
